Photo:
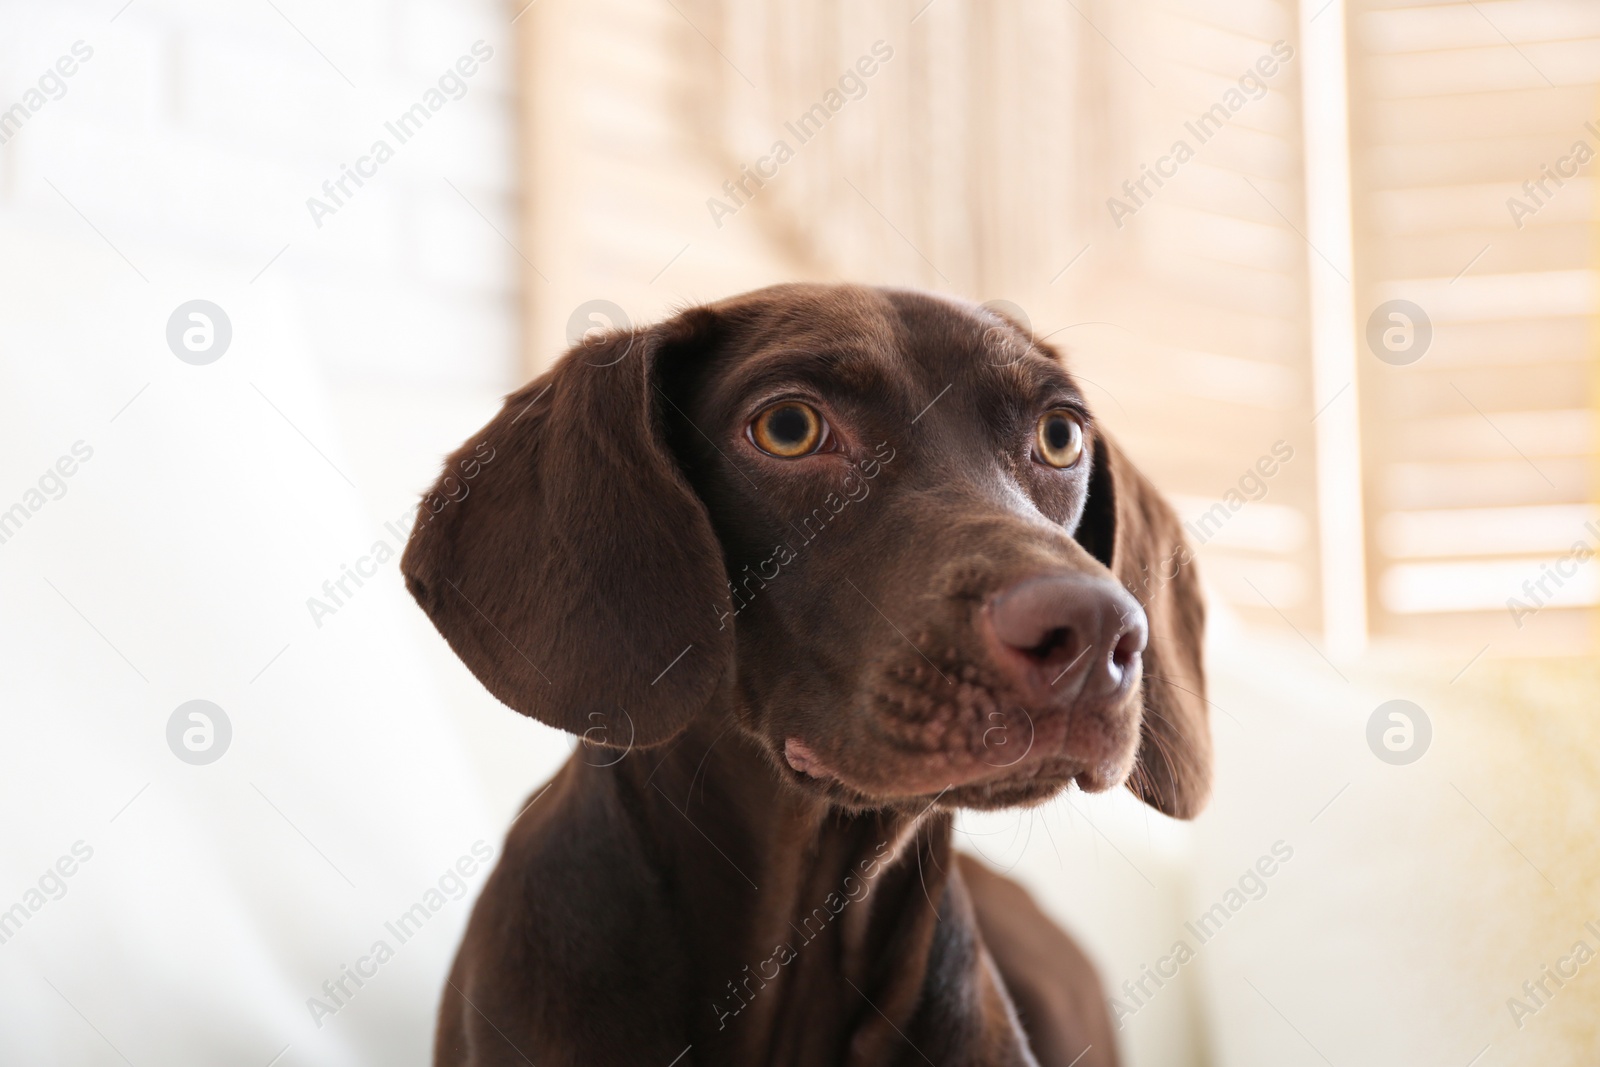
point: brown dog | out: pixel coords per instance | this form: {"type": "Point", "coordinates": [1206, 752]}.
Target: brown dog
{"type": "Point", "coordinates": [807, 570]}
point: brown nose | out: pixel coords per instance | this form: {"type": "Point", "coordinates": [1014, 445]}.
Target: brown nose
{"type": "Point", "coordinates": [1074, 636]}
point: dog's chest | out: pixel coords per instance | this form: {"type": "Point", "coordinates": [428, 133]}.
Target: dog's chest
{"type": "Point", "coordinates": [867, 988]}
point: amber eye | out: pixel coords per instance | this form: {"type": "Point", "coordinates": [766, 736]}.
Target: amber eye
{"type": "Point", "coordinates": [788, 430]}
{"type": "Point", "coordinates": [1058, 441]}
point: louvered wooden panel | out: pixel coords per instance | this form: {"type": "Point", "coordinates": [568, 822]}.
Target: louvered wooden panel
{"type": "Point", "coordinates": [1209, 281]}
{"type": "Point", "coordinates": [983, 158]}
{"type": "Point", "coordinates": [1480, 470]}
{"type": "Point", "coordinates": [617, 181]}
{"type": "Point", "coordinates": [981, 161]}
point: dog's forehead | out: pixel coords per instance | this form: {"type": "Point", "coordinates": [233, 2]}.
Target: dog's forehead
{"type": "Point", "coordinates": [842, 317]}
{"type": "Point", "coordinates": [978, 337]}
{"type": "Point", "coordinates": [856, 332]}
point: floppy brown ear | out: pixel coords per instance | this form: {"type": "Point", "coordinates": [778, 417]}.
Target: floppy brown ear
{"type": "Point", "coordinates": [566, 560]}
{"type": "Point", "coordinates": [1132, 530]}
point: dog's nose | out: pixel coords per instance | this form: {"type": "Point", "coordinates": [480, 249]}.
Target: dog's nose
{"type": "Point", "coordinates": [1073, 635]}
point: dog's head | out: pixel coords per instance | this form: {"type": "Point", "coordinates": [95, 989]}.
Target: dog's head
{"type": "Point", "coordinates": [878, 529]}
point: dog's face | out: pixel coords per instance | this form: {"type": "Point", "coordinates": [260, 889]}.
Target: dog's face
{"type": "Point", "coordinates": [880, 470]}
{"type": "Point", "coordinates": [879, 529]}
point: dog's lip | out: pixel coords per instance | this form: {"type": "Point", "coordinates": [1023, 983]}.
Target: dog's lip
{"type": "Point", "coordinates": [804, 761]}
{"type": "Point", "coordinates": [800, 756]}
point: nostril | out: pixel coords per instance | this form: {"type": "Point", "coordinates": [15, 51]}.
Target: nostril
{"type": "Point", "coordinates": [1124, 655]}
{"type": "Point", "coordinates": [1058, 645]}
{"type": "Point", "coordinates": [1053, 628]}
{"type": "Point", "coordinates": [1127, 650]}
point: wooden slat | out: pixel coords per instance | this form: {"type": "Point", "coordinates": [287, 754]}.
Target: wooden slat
{"type": "Point", "coordinates": [1480, 456]}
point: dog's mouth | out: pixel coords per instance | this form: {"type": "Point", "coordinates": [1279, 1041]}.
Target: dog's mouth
{"type": "Point", "coordinates": [1011, 773]}
{"type": "Point", "coordinates": [962, 722]}
{"type": "Point", "coordinates": [800, 757]}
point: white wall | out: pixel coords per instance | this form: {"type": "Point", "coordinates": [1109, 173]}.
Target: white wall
{"type": "Point", "coordinates": [176, 562]}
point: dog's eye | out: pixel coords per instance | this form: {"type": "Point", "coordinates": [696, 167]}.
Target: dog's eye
{"type": "Point", "coordinates": [1058, 441]}
{"type": "Point", "coordinates": [788, 430]}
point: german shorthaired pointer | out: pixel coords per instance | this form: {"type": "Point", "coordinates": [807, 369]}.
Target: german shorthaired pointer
{"type": "Point", "coordinates": [806, 570]}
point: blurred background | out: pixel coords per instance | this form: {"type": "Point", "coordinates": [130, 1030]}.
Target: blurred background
{"type": "Point", "coordinates": [1327, 269]}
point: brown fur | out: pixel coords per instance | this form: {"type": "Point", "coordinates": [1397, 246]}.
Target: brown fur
{"type": "Point", "coordinates": [630, 568]}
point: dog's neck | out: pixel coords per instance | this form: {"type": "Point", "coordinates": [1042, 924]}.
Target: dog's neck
{"type": "Point", "coordinates": [811, 929]}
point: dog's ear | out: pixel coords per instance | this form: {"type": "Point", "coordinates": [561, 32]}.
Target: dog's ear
{"type": "Point", "coordinates": [1129, 527]}
{"type": "Point", "coordinates": [566, 560]}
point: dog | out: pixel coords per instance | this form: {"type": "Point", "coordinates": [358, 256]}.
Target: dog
{"type": "Point", "coordinates": [806, 571]}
